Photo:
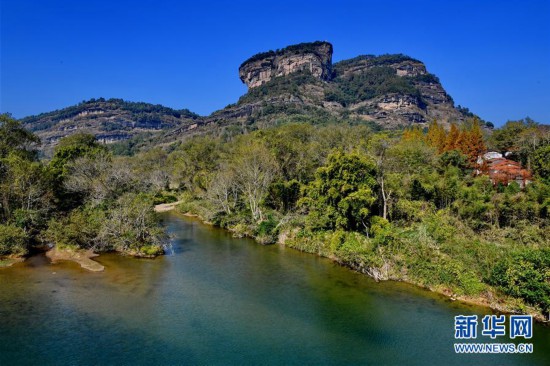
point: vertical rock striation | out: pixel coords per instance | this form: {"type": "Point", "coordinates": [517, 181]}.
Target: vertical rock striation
{"type": "Point", "coordinates": [315, 57]}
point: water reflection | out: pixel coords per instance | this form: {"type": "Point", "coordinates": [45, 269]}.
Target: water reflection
{"type": "Point", "coordinates": [220, 300]}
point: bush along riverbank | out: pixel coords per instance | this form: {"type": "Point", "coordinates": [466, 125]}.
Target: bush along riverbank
{"type": "Point", "coordinates": [403, 207]}
{"type": "Point", "coordinates": [82, 199]}
{"type": "Point", "coordinates": [438, 254]}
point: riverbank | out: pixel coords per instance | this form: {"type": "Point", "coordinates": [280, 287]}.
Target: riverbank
{"type": "Point", "coordinates": [489, 297]}
{"type": "Point", "coordinates": [82, 257]}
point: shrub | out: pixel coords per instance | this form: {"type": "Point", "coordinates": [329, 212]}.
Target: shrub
{"type": "Point", "coordinates": [164, 197]}
{"type": "Point", "coordinates": [525, 275]}
{"type": "Point", "coordinates": [13, 240]}
{"type": "Point", "coordinates": [78, 230]}
{"type": "Point", "coordinates": [266, 232]}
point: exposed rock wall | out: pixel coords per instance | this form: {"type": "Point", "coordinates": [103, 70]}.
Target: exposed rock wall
{"type": "Point", "coordinates": [314, 57]}
{"type": "Point", "coordinates": [392, 91]}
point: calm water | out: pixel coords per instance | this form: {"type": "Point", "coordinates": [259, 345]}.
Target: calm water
{"type": "Point", "coordinates": [220, 300]}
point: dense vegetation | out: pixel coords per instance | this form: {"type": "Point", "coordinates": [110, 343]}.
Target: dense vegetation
{"type": "Point", "coordinates": [144, 112]}
{"type": "Point", "coordinates": [374, 82]}
{"type": "Point", "coordinates": [81, 198]}
{"type": "Point", "coordinates": [395, 205]}
{"type": "Point", "coordinates": [372, 60]}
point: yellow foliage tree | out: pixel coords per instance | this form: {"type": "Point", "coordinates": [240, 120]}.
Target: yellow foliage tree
{"type": "Point", "coordinates": [414, 133]}
{"type": "Point", "coordinates": [436, 136]}
{"type": "Point", "coordinates": [473, 145]}
{"type": "Point", "coordinates": [452, 139]}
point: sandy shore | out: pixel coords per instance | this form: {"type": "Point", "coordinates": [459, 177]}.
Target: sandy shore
{"type": "Point", "coordinates": [163, 207]}
{"type": "Point", "coordinates": [82, 257]}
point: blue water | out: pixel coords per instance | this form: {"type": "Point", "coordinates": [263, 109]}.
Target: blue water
{"type": "Point", "coordinates": [221, 300]}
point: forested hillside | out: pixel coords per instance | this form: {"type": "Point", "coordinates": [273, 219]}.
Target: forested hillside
{"type": "Point", "coordinates": [109, 120]}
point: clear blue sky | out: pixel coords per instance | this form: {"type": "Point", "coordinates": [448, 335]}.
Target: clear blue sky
{"type": "Point", "coordinates": [491, 56]}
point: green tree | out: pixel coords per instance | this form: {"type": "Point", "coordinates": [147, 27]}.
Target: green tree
{"type": "Point", "coordinates": [295, 150]}
{"type": "Point", "coordinates": [71, 148]}
{"type": "Point", "coordinates": [283, 195]}
{"type": "Point", "coordinates": [342, 194]}
{"type": "Point", "coordinates": [506, 138]}
{"type": "Point", "coordinates": [541, 162]}
{"type": "Point", "coordinates": [67, 151]}
{"type": "Point", "coordinates": [16, 139]}
{"type": "Point", "coordinates": [193, 162]}
{"type": "Point", "coordinates": [132, 227]}
{"type": "Point", "coordinates": [525, 275]}
{"type": "Point", "coordinates": [13, 240]}
{"type": "Point", "coordinates": [24, 184]}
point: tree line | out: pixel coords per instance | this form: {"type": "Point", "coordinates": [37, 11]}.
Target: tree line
{"type": "Point", "coordinates": [402, 205]}
{"type": "Point", "coordinates": [396, 205]}
{"type": "Point", "coordinates": [83, 197]}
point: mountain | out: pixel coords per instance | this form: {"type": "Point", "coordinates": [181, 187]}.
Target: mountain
{"type": "Point", "coordinates": [296, 83]}
{"type": "Point", "coordinates": [300, 83]}
{"type": "Point", "coordinates": [109, 120]}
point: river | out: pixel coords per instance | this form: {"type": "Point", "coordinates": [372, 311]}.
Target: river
{"type": "Point", "coordinates": [221, 300]}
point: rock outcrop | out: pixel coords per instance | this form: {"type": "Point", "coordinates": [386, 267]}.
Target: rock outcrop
{"type": "Point", "coordinates": [296, 83]}
{"type": "Point", "coordinates": [300, 83]}
{"type": "Point", "coordinates": [315, 57]}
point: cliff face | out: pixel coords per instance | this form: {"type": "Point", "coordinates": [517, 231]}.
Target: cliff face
{"type": "Point", "coordinates": [297, 83]}
{"type": "Point", "coordinates": [300, 83]}
{"type": "Point", "coordinates": [315, 58]}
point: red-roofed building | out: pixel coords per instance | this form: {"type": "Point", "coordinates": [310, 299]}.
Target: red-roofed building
{"type": "Point", "coordinates": [504, 171]}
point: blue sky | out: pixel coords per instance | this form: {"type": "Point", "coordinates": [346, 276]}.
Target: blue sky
{"type": "Point", "coordinates": [491, 56]}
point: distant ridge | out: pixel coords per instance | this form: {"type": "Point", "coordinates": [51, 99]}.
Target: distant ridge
{"type": "Point", "coordinates": [296, 83]}
{"type": "Point", "coordinates": [110, 120]}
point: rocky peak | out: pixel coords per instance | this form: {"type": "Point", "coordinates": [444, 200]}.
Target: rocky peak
{"type": "Point", "coordinates": [315, 57]}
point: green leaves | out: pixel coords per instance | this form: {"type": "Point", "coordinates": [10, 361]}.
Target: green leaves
{"type": "Point", "coordinates": [129, 226]}
{"type": "Point", "coordinates": [15, 139]}
{"type": "Point", "coordinates": [13, 240]}
{"type": "Point", "coordinates": [541, 162]}
{"type": "Point", "coordinates": [342, 194]}
{"type": "Point", "coordinates": [525, 275]}
{"type": "Point", "coordinates": [25, 186]}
